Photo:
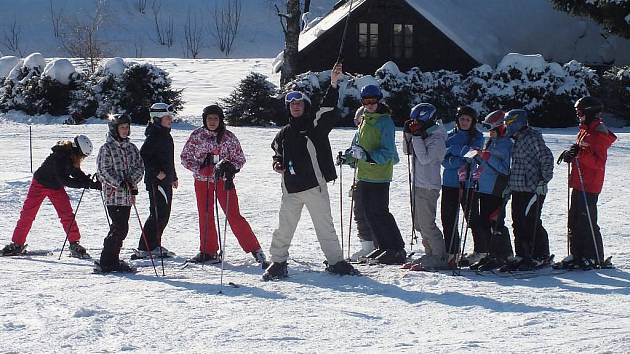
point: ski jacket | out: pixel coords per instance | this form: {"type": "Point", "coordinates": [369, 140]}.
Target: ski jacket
{"type": "Point", "coordinates": [58, 170]}
{"type": "Point", "coordinates": [158, 155]}
{"type": "Point", "coordinates": [594, 140]}
{"type": "Point", "coordinates": [428, 154]}
{"type": "Point", "coordinates": [458, 143]}
{"type": "Point", "coordinates": [494, 172]}
{"type": "Point", "coordinates": [376, 136]}
{"type": "Point", "coordinates": [290, 145]}
{"type": "Point", "coordinates": [532, 162]}
{"type": "Point", "coordinates": [202, 143]}
{"type": "Point", "coordinates": [119, 163]}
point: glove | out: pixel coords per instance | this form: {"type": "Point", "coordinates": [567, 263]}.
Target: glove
{"type": "Point", "coordinates": [541, 189]}
{"type": "Point", "coordinates": [341, 159]}
{"type": "Point", "coordinates": [476, 174]}
{"type": "Point", "coordinates": [462, 173]}
{"type": "Point", "coordinates": [569, 155]}
{"type": "Point", "coordinates": [358, 153]}
{"type": "Point", "coordinates": [95, 185]}
{"type": "Point", "coordinates": [128, 183]}
{"type": "Point", "coordinates": [484, 155]}
{"type": "Point", "coordinates": [347, 158]}
{"type": "Point", "coordinates": [208, 160]}
{"type": "Point", "coordinates": [224, 169]}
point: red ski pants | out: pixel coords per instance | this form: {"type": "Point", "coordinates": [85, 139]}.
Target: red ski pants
{"type": "Point", "coordinates": [207, 226]}
{"type": "Point", "coordinates": [34, 198]}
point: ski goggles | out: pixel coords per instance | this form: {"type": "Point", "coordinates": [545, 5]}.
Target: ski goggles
{"type": "Point", "coordinates": [369, 100]}
{"type": "Point", "coordinates": [294, 96]}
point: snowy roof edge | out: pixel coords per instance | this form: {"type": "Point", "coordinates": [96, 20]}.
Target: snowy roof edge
{"type": "Point", "coordinates": [328, 22]}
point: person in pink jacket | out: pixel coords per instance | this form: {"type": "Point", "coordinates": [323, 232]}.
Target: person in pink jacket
{"type": "Point", "coordinates": [214, 155]}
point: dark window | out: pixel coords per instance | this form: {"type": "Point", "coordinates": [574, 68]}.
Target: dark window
{"type": "Point", "coordinates": [402, 41]}
{"type": "Point", "coordinates": [368, 40]}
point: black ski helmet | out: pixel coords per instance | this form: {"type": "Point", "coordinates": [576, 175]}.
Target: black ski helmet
{"type": "Point", "coordinates": [114, 121]}
{"type": "Point", "coordinates": [214, 109]}
{"type": "Point", "coordinates": [591, 106]}
{"type": "Point", "coordinates": [466, 111]}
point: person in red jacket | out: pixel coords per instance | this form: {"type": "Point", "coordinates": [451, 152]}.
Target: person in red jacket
{"type": "Point", "coordinates": [588, 162]}
{"type": "Point", "coordinates": [62, 168]}
{"type": "Point", "coordinates": [214, 155]}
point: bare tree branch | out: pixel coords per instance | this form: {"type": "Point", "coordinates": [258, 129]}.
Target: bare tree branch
{"type": "Point", "coordinates": [13, 37]}
{"type": "Point", "coordinates": [192, 35]}
{"type": "Point", "coordinates": [226, 23]}
{"type": "Point", "coordinates": [80, 37]}
{"type": "Point", "coordinates": [55, 20]}
{"type": "Point", "coordinates": [141, 6]}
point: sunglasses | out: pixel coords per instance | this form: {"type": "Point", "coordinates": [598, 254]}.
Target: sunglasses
{"type": "Point", "coordinates": [369, 101]}
{"type": "Point", "coordinates": [294, 96]}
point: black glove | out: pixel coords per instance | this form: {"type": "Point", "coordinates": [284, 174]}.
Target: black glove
{"type": "Point", "coordinates": [128, 183]}
{"type": "Point", "coordinates": [208, 161]}
{"type": "Point", "coordinates": [225, 169]}
{"type": "Point", "coordinates": [415, 128]}
{"type": "Point", "coordinates": [569, 155]}
{"type": "Point", "coordinates": [95, 185]}
{"type": "Point", "coordinates": [341, 159]}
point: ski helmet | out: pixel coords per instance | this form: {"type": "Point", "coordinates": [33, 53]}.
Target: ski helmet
{"type": "Point", "coordinates": [114, 121]}
{"type": "Point", "coordinates": [494, 119]}
{"type": "Point", "coordinates": [590, 106]}
{"type": "Point", "coordinates": [213, 109]}
{"type": "Point", "coordinates": [159, 110]}
{"type": "Point", "coordinates": [423, 112]}
{"type": "Point", "coordinates": [82, 145]}
{"type": "Point", "coordinates": [370, 91]}
{"type": "Point", "coordinates": [515, 120]}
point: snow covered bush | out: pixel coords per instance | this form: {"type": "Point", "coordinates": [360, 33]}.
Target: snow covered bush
{"type": "Point", "coordinates": [253, 103]}
{"type": "Point", "coordinates": [546, 90]}
{"type": "Point", "coordinates": [615, 91]}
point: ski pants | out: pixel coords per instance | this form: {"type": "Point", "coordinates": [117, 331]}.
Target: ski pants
{"type": "Point", "coordinates": [34, 198]}
{"type": "Point", "coordinates": [204, 191]}
{"type": "Point", "coordinates": [492, 225]}
{"type": "Point", "coordinates": [425, 207]}
{"type": "Point", "coordinates": [530, 237]}
{"type": "Point", "coordinates": [452, 199]}
{"type": "Point", "coordinates": [160, 199]}
{"type": "Point", "coordinates": [374, 221]}
{"type": "Point", "coordinates": [119, 215]}
{"type": "Point", "coordinates": [580, 237]}
{"type": "Point", "coordinates": [317, 202]}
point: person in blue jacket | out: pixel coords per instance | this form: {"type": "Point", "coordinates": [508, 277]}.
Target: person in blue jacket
{"type": "Point", "coordinates": [493, 168]}
{"type": "Point", "coordinates": [457, 185]}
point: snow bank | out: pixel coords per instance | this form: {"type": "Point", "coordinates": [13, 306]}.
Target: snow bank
{"type": "Point", "coordinates": [115, 66]}
{"type": "Point", "coordinates": [34, 61]}
{"type": "Point", "coordinates": [60, 70]}
{"type": "Point", "coordinates": [534, 62]}
{"type": "Point", "coordinates": [7, 64]}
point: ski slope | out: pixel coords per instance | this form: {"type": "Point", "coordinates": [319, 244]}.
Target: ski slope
{"type": "Point", "coordinates": [51, 305]}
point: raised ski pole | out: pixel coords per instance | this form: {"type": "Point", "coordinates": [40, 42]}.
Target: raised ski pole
{"type": "Point", "coordinates": [588, 212]}
{"type": "Point", "coordinates": [157, 227]}
{"type": "Point", "coordinates": [343, 35]}
{"type": "Point", "coordinates": [74, 217]}
{"type": "Point", "coordinates": [143, 235]}
{"type": "Point", "coordinates": [339, 157]}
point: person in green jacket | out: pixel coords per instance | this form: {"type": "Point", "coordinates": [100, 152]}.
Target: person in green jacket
{"type": "Point", "coordinates": [373, 153]}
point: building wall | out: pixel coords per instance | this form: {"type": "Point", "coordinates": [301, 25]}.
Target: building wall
{"type": "Point", "coordinates": [432, 50]}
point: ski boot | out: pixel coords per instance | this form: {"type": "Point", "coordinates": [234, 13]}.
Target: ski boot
{"type": "Point", "coordinates": [78, 251]}
{"type": "Point", "coordinates": [342, 268]}
{"type": "Point", "coordinates": [367, 247]}
{"type": "Point", "coordinates": [13, 249]}
{"type": "Point", "coordinates": [392, 257]}
{"type": "Point", "coordinates": [260, 258]}
{"type": "Point", "coordinates": [203, 258]}
{"type": "Point", "coordinates": [276, 271]}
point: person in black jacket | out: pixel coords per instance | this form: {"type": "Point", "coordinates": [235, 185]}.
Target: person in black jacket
{"type": "Point", "coordinates": [160, 178]}
{"type": "Point", "coordinates": [302, 155]}
{"type": "Point", "coordinates": [61, 168]}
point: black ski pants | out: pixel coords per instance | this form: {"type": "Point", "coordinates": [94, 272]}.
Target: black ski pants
{"type": "Point", "coordinates": [160, 199]}
{"type": "Point", "coordinates": [580, 237]}
{"type": "Point", "coordinates": [530, 237]}
{"type": "Point", "coordinates": [374, 221]}
{"type": "Point", "coordinates": [492, 226]}
{"type": "Point", "coordinates": [117, 233]}
{"type": "Point", "coordinates": [452, 199]}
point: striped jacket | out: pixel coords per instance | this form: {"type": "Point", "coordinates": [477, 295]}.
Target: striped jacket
{"type": "Point", "coordinates": [203, 142]}
{"type": "Point", "coordinates": [532, 162]}
{"type": "Point", "coordinates": [117, 161]}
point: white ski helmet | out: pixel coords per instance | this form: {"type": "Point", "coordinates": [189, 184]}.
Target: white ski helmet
{"type": "Point", "coordinates": [159, 110]}
{"type": "Point", "coordinates": [82, 143]}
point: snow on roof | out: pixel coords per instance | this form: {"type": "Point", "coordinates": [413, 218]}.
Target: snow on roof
{"type": "Point", "coordinates": [7, 64]}
{"type": "Point", "coordinates": [489, 29]}
{"type": "Point", "coordinates": [60, 70]}
{"type": "Point", "coordinates": [330, 20]}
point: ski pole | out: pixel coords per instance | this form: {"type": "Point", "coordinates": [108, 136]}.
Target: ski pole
{"type": "Point", "coordinates": [158, 232]}
{"type": "Point", "coordinates": [105, 208]}
{"type": "Point", "coordinates": [411, 195]}
{"type": "Point", "coordinates": [206, 227]}
{"type": "Point", "coordinates": [74, 217]}
{"type": "Point", "coordinates": [343, 36]}
{"type": "Point", "coordinates": [216, 214]}
{"type": "Point", "coordinates": [568, 208]}
{"type": "Point", "coordinates": [470, 195]}
{"type": "Point", "coordinates": [225, 222]}
{"type": "Point", "coordinates": [144, 237]}
{"type": "Point", "coordinates": [352, 191]}
{"type": "Point", "coordinates": [588, 211]}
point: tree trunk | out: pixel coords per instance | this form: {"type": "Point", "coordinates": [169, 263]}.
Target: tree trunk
{"type": "Point", "coordinates": [291, 38]}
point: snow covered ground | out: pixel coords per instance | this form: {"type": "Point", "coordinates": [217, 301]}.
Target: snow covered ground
{"type": "Point", "coordinates": [56, 305]}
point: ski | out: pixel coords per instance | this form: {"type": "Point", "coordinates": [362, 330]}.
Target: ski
{"type": "Point", "coordinates": [98, 270]}
{"type": "Point", "coordinates": [34, 253]}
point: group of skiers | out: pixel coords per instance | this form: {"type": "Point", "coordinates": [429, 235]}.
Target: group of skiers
{"type": "Point", "coordinates": [474, 177]}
